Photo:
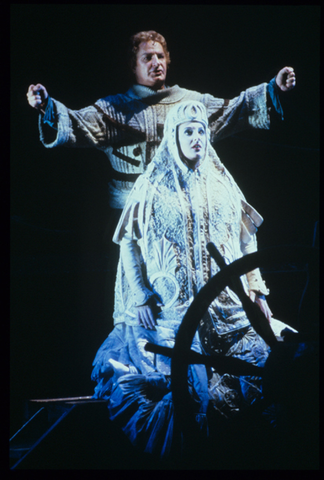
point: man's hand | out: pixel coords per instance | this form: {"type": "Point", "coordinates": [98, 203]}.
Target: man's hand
{"type": "Point", "coordinates": [145, 317]}
{"type": "Point", "coordinates": [37, 96]}
{"type": "Point", "coordinates": [262, 304]}
{"type": "Point", "coordinates": [286, 79]}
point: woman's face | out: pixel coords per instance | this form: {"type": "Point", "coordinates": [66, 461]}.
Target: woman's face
{"type": "Point", "coordinates": [193, 141]}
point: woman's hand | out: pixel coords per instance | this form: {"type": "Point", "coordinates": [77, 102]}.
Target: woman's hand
{"type": "Point", "coordinates": [262, 304]}
{"type": "Point", "coordinates": [145, 317]}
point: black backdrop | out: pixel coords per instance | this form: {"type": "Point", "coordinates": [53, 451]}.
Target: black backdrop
{"type": "Point", "coordinates": [59, 200]}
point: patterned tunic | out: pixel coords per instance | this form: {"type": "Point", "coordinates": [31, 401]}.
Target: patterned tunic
{"type": "Point", "coordinates": [128, 127]}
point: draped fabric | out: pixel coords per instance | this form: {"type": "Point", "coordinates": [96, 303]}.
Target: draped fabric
{"type": "Point", "coordinates": [172, 213]}
{"type": "Point", "coordinates": [170, 216]}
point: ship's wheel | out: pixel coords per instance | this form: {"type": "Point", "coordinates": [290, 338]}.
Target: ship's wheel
{"type": "Point", "coordinates": [182, 355]}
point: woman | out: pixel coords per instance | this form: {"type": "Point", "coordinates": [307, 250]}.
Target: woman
{"type": "Point", "coordinates": [184, 200]}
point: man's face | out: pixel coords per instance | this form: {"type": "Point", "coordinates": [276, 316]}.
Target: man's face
{"type": "Point", "coordinates": [193, 141]}
{"type": "Point", "coordinates": [151, 65]}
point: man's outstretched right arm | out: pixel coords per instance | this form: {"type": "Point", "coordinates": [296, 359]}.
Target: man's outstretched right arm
{"type": "Point", "coordinates": [59, 125]}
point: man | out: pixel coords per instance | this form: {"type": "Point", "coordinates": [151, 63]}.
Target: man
{"type": "Point", "coordinates": [128, 127]}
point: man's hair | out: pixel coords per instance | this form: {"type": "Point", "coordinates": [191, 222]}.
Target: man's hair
{"type": "Point", "coordinates": [140, 37]}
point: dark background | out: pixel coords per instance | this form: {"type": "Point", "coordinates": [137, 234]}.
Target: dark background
{"type": "Point", "coordinates": [60, 309]}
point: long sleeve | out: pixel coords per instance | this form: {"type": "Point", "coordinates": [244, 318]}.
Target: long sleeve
{"type": "Point", "coordinates": [49, 116]}
{"type": "Point", "coordinates": [251, 220]}
{"type": "Point", "coordinates": [131, 258]}
{"type": "Point", "coordinates": [112, 125]}
{"type": "Point", "coordinates": [274, 93]}
{"type": "Point", "coordinates": [254, 278]}
{"type": "Point", "coordinates": [75, 128]}
{"type": "Point", "coordinates": [249, 110]}
{"type": "Point", "coordinates": [128, 233]}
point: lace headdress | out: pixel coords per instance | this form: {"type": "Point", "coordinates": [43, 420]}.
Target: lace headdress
{"type": "Point", "coordinates": [189, 111]}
